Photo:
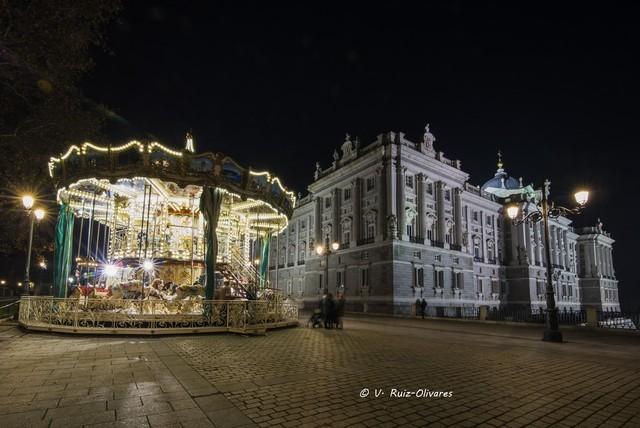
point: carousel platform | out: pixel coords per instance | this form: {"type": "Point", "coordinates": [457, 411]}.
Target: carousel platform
{"type": "Point", "coordinates": [154, 317]}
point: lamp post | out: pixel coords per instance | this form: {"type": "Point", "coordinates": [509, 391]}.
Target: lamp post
{"type": "Point", "coordinates": [37, 214]}
{"type": "Point", "coordinates": [543, 212]}
{"type": "Point", "coordinates": [326, 250]}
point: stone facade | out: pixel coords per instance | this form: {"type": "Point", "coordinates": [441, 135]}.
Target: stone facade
{"type": "Point", "coordinates": [409, 226]}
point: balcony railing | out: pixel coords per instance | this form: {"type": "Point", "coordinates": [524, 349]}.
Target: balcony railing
{"type": "Point", "coordinates": [281, 265]}
{"type": "Point", "coordinates": [437, 244]}
{"type": "Point", "coordinates": [416, 240]}
{"type": "Point", "coordinates": [478, 259]}
{"type": "Point", "coordinates": [344, 245]}
{"type": "Point", "coordinates": [455, 247]}
{"type": "Point", "coordinates": [300, 262]}
{"type": "Point", "coordinates": [492, 261]}
{"type": "Point", "coordinates": [365, 241]}
{"type": "Point", "coordinates": [290, 264]}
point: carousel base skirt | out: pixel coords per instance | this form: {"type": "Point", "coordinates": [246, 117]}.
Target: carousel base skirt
{"type": "Point", "coordinates": [154, 317]}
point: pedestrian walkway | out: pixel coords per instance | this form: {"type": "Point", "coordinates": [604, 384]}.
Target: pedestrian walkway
{"type": "Point", "coordinates": [375, 372]}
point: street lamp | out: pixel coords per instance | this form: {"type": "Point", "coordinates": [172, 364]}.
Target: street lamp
{"type": "Point", "coordinates": [543, 212]}
{"type": "Point", "coordinates": [37, 214]}
{"type": "Point", "coordinates": [326, 250]}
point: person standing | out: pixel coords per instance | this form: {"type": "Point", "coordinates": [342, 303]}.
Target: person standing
{"type": "Point", "coordinates": [423, 307]}
{"type": "Point", "coordinates": [330, 313]}
{"type": "Point", "coordinates": [417, 307]}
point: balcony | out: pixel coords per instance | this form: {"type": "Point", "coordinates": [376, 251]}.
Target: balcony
{"type": "Point", "coordinates": [416, 240]}
{"type": "Point", "coordinates": [365, 241]}
{"type": "Point", "coordinates": [557, 266]}
{"type": "Point", "coordinates": [478, 259]}
{"type": "Point", "coordinates": [455, 247]}
{"type": "Point", "coordinates": [439, 244]}
{"type": "Point", "coordinates": [290, 264]}
{"type": "Point", "coordinates": [492, 261]}
{"type": "Point", "coordinates": [300, 262]}
{"type": "Point", "coordinates": [280, 266]}
{"type": "Point", "coordinates": [344, 245]}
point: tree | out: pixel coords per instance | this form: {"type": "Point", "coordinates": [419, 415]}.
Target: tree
{"type": "Point", "coordinates": [44, 53]}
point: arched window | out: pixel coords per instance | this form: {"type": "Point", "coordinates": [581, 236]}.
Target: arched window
{"type": "Point", "coordinates": [431, 227]}
{"type": "Point", "coordinates": [370, 224]}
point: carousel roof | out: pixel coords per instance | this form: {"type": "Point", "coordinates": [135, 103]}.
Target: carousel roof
{"type": "Point", "coordinates": [184, 168]}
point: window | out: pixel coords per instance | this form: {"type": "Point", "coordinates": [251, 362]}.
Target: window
{"type": "Point", "coordinates": [447, 195]}
{"type": "Point", "coordinates": [347, 193]}
{"type": "Point", "coordinates": [364, 255]}
{"type": "Point", "coordinates": [410, 230]}
{"type": "Point", "coordinates": [418, 277]}
{"type": "Point", "coordinates": [570, 291]}
{"type": "Point", "coordinates": [303, 224]}
{"type": "Point", "coordinates": [495, 286]}
{"type": "Point", "coordinates": [431, 231]}
{"type": "Point", "coordinates": [408, 181]}
{"type": "Point", "coordinates": [489, 220]}
{"type": "Point", "coordinates": [301, 256]}
{"type": "Point", "coordinates": [447, 236]}
{"type": "Point", "coordinates": [438, 278]}
{"type": "Point", "coordinates": [370, 229]}
{"type": "Point", "coordinates": [475, 215]}
{"type": "Point", "coordinates": [346, 233]}
{"type": "Point", "coordinates": [339, 278]}
{"type": "Point", "coordinates": [327, 202]}
{"type": "Point", "coordinates": [479, 286]}
{"type": "Point", "coordinates": [364, 277]}
{"type": "Point", "coordinates": [321, 281]}
{"type": "Point", "coordinates": [460, 280]}
{"type": "Point", "coordinates": [371, 183]}
{"type": "Point", "coordinates": [476, 249]}
{"type": "Point", "coordinates": [430, 188]}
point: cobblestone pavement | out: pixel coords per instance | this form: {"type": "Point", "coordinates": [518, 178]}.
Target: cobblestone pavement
{"type": "Point", "coordinates": [499, 375]}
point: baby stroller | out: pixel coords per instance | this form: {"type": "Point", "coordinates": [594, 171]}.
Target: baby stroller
{"type": "Point", "coordinates": [316, 319]}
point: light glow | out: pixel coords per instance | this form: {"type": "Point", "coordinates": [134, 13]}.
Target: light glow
{"type": "Point", "coordinates": [28, 201]}
{"type": "Point", "coordinates": [512, 211]}
{"type": "Point", "coordinates": [147, 265]}
{"type": "Point", "coordinates": [110, 270]}
{"type": "Point", "coordinates": [335, 246]}
{"type": "Point", "coordinates": [39, 213]}
{"type": "Point", "coordinates": [582, 197]}
{"type": "Point", "coordinates": [319, 250]}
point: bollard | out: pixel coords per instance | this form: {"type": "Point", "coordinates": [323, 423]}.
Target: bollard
{"type": "Point", "coordinates": [482, 316]}
{"type": "Point", "coordinates": [592, 316]}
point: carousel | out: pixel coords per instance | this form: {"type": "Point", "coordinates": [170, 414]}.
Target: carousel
{"type": "Point", "coordinates": [154, 240]}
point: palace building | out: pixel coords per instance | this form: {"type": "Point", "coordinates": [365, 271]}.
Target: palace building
{"type": "Point", "coordinates": [406, 224]}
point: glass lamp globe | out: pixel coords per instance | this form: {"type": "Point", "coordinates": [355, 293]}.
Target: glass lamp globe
{"type": "Point", "coordinates": [512, 211]}
{"type": "Point", "coordinates": [335, 246]}
{"type": "Point", "coordinates": [582, 197]}
{"type": "Point", "coordinates": [27, 201]}
{"type": "Point", "coordinates": [39, 213]}
{"type": "Point", "coordinates": [319, 250]}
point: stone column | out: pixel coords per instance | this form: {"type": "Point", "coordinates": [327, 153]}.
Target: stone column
{"type": "Point", "coordinates": [440, 229]}
{"type": "Point", "coordinates": [381, 186]}
{"type": "Point", "coordinates": [483, 236]}
{"type": "Point", "coordinates": [357, 214]}
{"type": "Point", "coordinates": [421, 223]}
{"type": "Point", "coordinates": [336, 215]}
{"type": "Point", "coordinates": [390, 190]}
{"type": "Point", "coordinates": [400, 174]}
{"type": "Point", "coordinates": [457, 213]}
{"type": "Point", "coordinates": [318, 222]}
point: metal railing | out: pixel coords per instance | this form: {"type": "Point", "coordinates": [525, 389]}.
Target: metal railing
{"type": "Point", "coordinates": [153, 316]}
{"type": "Point", "coordinates": [365, 241]}
{"type": "Point", "coordinates": [619, 320]}
{"type": "Point", "coordinates": [8, 307]}
{"type": "Point", "coordinates": [536, 316]}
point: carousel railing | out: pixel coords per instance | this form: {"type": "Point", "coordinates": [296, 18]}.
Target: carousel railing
{"type": "Point", "coordinates": [154, 316]}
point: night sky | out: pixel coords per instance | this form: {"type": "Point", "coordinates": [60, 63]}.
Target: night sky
{"type": "Point", "coordinates": [277, 85]}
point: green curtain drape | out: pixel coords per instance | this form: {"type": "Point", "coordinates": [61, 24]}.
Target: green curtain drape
{"type": "Point", "coordinates": [264, 259]}
{"type": "Point", "coordinates": [63, 250]}
{"type": "Point", "coordinates": [210, 203]}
